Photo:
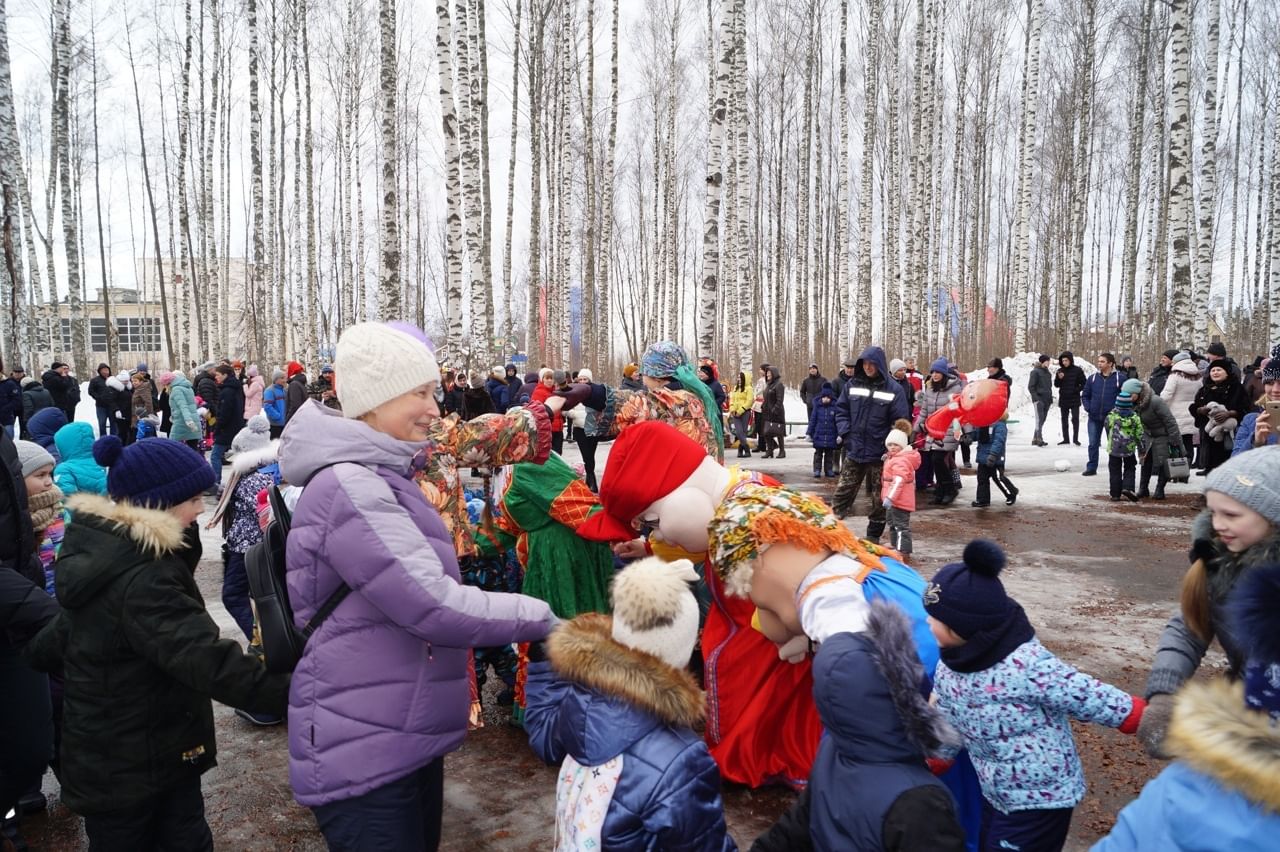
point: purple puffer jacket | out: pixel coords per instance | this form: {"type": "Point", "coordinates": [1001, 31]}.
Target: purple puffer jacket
{"type": "Point", "coordinates": [382, 687]}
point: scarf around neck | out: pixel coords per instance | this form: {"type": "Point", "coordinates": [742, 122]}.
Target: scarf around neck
{"type": "Point", "coordinates": [987, 647]}
{"type": "Point", "coordinates": [44, 507]}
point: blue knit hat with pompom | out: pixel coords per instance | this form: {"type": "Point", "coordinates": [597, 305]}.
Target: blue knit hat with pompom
{"type": "Point", "coordinates": [155, 472]}
{"type": "Point", "coordinates": [968, 596]}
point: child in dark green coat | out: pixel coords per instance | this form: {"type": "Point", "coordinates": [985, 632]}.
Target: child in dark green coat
{"type": "Point", "coordinates": [140, 656]}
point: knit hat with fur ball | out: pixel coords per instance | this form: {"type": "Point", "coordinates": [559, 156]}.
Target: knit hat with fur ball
{"type": "Point", "coordinates": [654, 609]}
{"type": "Point", "coordinates": [968, 596]}
{"type": "Point", "coordinates": [1251, 478]}
{"type": "Point", "coordinates": [376, 363]}
{"type": "Point", "coordinates": [153, 472]}
{"type": "Point", "coordinates": [896, 438]}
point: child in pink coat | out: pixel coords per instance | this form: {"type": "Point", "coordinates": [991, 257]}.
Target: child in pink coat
{"type": "Point", "coordinates": [898, 485]}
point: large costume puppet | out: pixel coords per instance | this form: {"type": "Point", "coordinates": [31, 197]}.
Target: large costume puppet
{"type": "Point", "coordinates": [762, 725]}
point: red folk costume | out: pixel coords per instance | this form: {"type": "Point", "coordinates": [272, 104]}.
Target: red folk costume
{"type": "Point", "coordinates": [762, 725]}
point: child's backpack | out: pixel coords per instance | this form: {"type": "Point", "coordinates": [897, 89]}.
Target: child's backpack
{"type": "Point", "coordinates": [282, 640]}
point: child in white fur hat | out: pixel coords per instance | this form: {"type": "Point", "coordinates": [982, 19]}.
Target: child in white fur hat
{"type": "Point", "coordinates": [611, 701]}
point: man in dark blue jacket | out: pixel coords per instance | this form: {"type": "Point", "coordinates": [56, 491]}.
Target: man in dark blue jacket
{"type": "Point", "coordinates": [230, 419]}
{"type": "Point", "coordinates": [865, 412]}
{"type": "Point", "coordinates": [498, 389]}
{"type": "Point", "coordinates": [1099, 397]}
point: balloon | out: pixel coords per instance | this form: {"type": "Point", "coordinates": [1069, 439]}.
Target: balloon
{"type": "Point", "coordinates": [978, 404]}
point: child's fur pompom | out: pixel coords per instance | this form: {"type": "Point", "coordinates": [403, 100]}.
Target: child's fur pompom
{"type": "Point", "coordinates": [648, 593]}
{"type": "Point", "coordinates": [902, 425]}
{"type": "Point", "coordinates": [985, 557]}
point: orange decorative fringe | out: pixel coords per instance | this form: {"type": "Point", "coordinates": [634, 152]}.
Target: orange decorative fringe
{"type": "Point", "coordinates": [773, 526]}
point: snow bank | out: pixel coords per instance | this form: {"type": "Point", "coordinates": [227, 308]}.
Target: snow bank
{"type": "Point", "coordinates": [1019, 368]}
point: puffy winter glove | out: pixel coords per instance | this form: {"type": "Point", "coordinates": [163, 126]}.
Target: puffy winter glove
{"type": "Point", "coordinates": [795, 650]}
{"type": "Point", "coordinates": [1201, 548]}
{"type": "Point", "coordinates": [575, 394]}
{"type": "Point", "coordinates": [1154, 725]}
{"type": "Point", "coordinates": [992, 462]}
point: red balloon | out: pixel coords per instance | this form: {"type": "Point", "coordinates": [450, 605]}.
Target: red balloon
{"type": "Point", "coordinates": [978, 404]}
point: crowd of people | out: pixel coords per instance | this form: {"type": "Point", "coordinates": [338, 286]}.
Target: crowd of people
{"type": "Point", "coordinates": [658, 628]}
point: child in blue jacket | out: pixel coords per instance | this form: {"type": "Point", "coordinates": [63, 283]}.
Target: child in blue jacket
{"type": "Point", "coordinates": [823, 433]}
{"type": "Point", "coordinates": [1011, 700]}
{"type": "Point", "coordinates": [991, 444]}
{"type": "Point", "coordinates": [612, 703]}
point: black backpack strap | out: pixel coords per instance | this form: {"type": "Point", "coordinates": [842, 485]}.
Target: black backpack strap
{"type": "Point", "coordinates": [326, 609]}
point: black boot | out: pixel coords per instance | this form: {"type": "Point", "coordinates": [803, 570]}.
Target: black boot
{"type": "Point", "coordinates": [782, 450]}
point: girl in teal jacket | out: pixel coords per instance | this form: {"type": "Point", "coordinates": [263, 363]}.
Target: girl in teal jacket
{"type": "Point", "coordinates": [182, 408]}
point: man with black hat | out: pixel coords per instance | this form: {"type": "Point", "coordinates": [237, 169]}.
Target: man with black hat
{"type": "Point", "coordinates": [1040, 385]}
{"type": "Point", "coordinates": [995, 370]}
{"type": "Point", "coordinates": [811, 387]}
{"type": "Point", "coordinates": [63, 387]}
{"type": "Point", "coordinates": [1160, 374]}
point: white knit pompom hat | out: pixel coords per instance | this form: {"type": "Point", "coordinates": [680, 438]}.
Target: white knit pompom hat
{"type": "Point", "coordinates": [376, 363]}
{"type": "Point", "coordinates": [654, 609]}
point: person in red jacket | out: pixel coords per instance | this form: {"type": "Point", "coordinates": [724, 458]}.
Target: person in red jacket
{"type": "Point", "coordinates": [545, 389]}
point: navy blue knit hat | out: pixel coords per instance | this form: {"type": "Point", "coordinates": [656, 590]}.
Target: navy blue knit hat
{"type": "Point", "coordinates": [940, 365]}
{"type": "Point", "coordinates": [153, 472]}
{"type": "Point", "coordinates": [968, 596]}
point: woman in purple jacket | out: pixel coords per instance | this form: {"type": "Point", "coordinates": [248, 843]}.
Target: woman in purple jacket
{"type": "Point", "coordinates": [381, 693]}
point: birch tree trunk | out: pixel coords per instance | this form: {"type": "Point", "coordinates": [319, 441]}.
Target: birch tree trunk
{"type": "Point", "coordinates": [112, 337]}
{"type": "Point", "coordinates": [709, 291]}
{"type": "Point", "coordinates": [254, 295]}
{"type": "Point", "coordinates": [1069, 322]}
{"type": "Point", "coordinates": [1133, 184]}
{"type": "Point", "coordinates": [1180, 171]}
{"type": "Point", "coordinates": [480, 104]}
{"type": "Point", "coordinates": [13, 176]}
{"type": "Point", "coordinates": [62, 143]}
{"type": "Point", "coordinates": [606, 201]}
{"type": "Point", "coordinates": [1208, 180]}
{"type": "Point", "coordinates": [1273, 241]}
{"type": "Point", "coordinates": [453, 182]}
{"type": "Point", "coordinates": [508, 284]}
{"type": "Point", "coordinates": [1026, 159]}
{"type": "Point", "coordinates": [747, 320]}
{"type": "Point", "coordinates": [312, 240]}
{"type": "Point", "coordinates": [389, 275]}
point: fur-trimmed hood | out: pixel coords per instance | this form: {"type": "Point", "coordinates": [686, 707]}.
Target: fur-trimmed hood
{"type": "Point", "coordinates": [154, 531]}
{"type": "Point", "coordinates": [584, 653]}
{"type": "Point", "coordinates": [1215, 733]}
{"type": "Point", "coordinates": [106, 539]}
{"type": "Point", "coordinates": [250, 460]}
{"type": "Point", "coordinates": [867, 689]}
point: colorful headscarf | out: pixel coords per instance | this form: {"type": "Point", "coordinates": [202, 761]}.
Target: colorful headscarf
{"type": "Point", "coordinates": [754, 515]}
{"type": "Point", "coordinates": [664, 360]}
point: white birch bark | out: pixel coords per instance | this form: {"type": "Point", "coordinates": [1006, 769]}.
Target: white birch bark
{"type": "Point", "coordinates": [1080, 173]}
{"type": "Point", "coordinates": [1180, 171]}
{"type": "Point", "coordinates": [453, 181]}
{"type": "Point", "coordinates": [866, 194]}
{"type": "Point", "coordinates": [508, 284]}
{"type": "Point", "coordinates": [389, 274]}
{"type": "Point", "coordinates": [1208, 179]}
{"type": "Point", "coordinates": [709, 290]}
{"type": "Point", "coordinates": [1026, 159]}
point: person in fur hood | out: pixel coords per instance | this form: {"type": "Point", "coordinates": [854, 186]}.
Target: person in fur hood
{"type": "Point", "coordinates": [1223, 789]}
{"type": "Point", "coordinates": [610, 700]}
{"type": "Point", "coordinates": [140, 656]}
{"type": "Point", "coordinates": [1235, 535]}
{"type": "Point", "coordinates": [871, 788]}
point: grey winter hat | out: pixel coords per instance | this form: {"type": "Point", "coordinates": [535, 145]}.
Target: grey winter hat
{"type": "Point", "coordinates": [1181, 356]}
{"type": "Point", "coordinates": [277, 374]}
{"type": "Point", "coordinates": [32, 456]}
{"type": "Point", "coordinates": [1252, 478]}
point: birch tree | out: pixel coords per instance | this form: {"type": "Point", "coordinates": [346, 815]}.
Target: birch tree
{"type": "Point", "coordinates": [709, 290]}
{"type": "Point", "coordinates": [1026, 158]}
{"type": "Point", "coordinates": [389, 275]}
{"type": "Point", "coordinates": [453, 181]}
{"type": "Point", "coordinates": [1208, 180]}
{"type": "Point", "coordinates": [1180, 171]}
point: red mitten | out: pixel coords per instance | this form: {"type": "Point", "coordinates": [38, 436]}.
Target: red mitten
{"type": "Point", "coordinates": [1130, 724]}
{"type": "Point", "coordinates": [939, 765]}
